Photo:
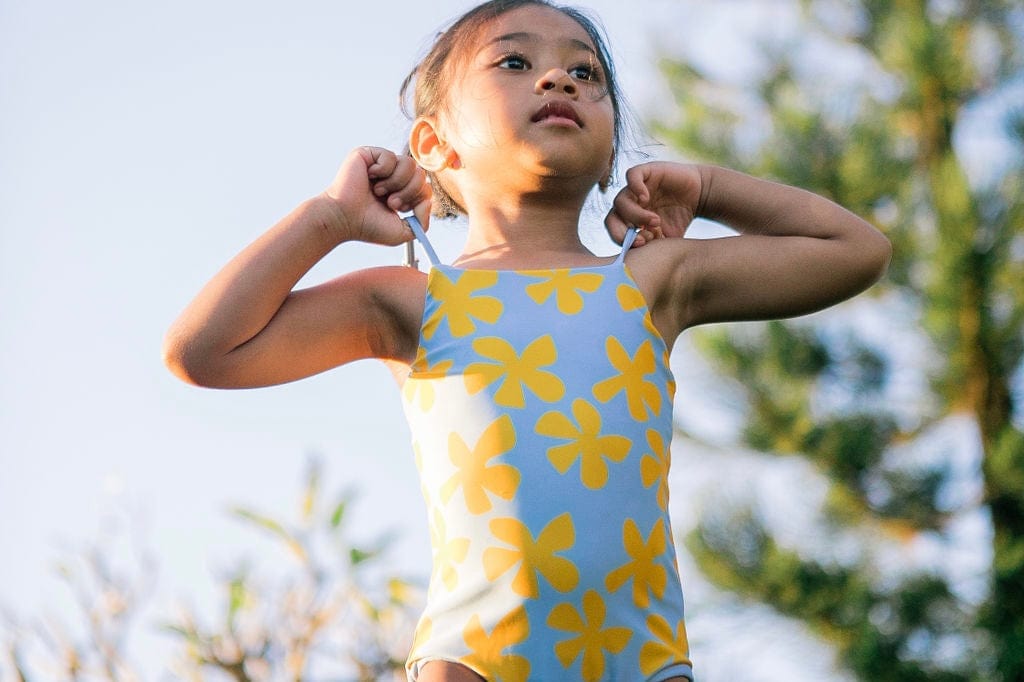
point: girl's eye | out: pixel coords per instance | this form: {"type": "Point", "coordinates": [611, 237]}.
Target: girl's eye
{"type": "Point", "coordinates": [584, 72]}
{"type": "Point", "coordinates": [514, 62]}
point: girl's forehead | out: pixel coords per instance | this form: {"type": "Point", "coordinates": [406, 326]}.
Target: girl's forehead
{"type": "Point", "coordinates": [534, 23]}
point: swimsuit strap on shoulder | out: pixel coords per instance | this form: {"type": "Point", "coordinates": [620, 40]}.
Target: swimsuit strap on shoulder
{"type": "Point", "coordinates": [421, 236]}
{"type": "Point", "coordinates": [627, 242]}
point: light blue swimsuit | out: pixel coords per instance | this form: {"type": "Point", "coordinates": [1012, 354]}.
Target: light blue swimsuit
{"type": "Point", "coordinates": [540, 404]}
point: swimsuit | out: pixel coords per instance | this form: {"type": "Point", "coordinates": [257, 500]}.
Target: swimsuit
{"type": "Point", "coordinates": [540, 403]}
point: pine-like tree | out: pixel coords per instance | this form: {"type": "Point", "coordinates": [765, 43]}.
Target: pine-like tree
{"type": "Point", "coordinates": [897, 143]}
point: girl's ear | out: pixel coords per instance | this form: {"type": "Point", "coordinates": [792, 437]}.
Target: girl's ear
{"type": "Point", "coordinates": [426, 145]}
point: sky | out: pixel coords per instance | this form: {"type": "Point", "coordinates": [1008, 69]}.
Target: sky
{"type": "Point", "coordinates": [141, 146]}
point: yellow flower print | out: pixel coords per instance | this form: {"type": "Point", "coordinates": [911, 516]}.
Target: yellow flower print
{"type": "Point", "coordinates": [535, 556]}
{"type": "Point", "coordinates": [566, 286]}
{"type": "Point", "coordinates": [630, 298]}
{"type": "Point", "coordinates": [474, 476]}
{"type": "Point", "coordinates": [518, 370]}
{"type": "Point", "coordinates": [488, 650]}
{"type": "Point", "coordinates": [641, 395]}
{"type": "Point", "coordinates": [654, 466]}
{"type": "Point", "coordinates": [647, 575]}
{"type": "Point", "coordinates": [585, 443]}
{"type": "Point", "coordinates": [424, 631]}
{"type": "Point", "coordinates": [458, 305]}
{"type": "Point", "coordinates": [670, 647]}
{"type": "Point", "coordinates": [421, 393]}
{"type": "Point", "coordinates": [591, 640]}
{"type": "Point", "coordinates": [447, 552]}
{"type": "Point", "coordinates": [418, 459]}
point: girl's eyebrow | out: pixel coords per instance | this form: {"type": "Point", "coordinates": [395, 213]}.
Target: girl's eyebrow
{"type": "Point", "coordinates": [525, 37]}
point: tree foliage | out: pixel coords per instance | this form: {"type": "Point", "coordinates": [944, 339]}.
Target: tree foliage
{"type": "Point", "coordinates": [894, 143]}
{"type": "Point", "coordinates": [334, 612]}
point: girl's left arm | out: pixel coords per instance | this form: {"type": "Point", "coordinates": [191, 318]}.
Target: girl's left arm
{"type": "Point", "coordinates": [797, 252]}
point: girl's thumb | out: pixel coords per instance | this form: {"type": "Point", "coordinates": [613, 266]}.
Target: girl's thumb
{"type": "Point", "coordinates": [422, 209]}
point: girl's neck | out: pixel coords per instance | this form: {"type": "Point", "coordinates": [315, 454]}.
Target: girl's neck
{"type": "Point", "coordinates": [525, 235]}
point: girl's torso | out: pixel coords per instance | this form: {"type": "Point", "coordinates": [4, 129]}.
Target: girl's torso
{"type": "Point", "coordinates": [540, 405]}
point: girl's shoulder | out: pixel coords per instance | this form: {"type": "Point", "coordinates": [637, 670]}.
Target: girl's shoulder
{"type": "Point", "coordinates": [393, 297]}
{"type": "Point", "coordinates": [400, 289]}
{"type": "Point", "coordinates": [666, 270]}
{"type": "Point", "coordinates": [661, 266]}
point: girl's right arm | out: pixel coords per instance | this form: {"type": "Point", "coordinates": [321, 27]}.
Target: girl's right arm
{"type": "Point", "coordinates": [247, 327]}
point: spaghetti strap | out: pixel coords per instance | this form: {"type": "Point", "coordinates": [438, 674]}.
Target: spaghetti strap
{"type": "Point", "coordinates": [421, 236]}
{"type": "Point", "coordinates": [627, 242]}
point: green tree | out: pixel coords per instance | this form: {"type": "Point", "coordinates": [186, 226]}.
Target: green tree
{"type": "Point", "coordinates": [894, 144]}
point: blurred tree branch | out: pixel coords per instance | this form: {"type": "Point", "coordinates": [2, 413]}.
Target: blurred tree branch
{"type": "Point", "coordinates": [334, 611]}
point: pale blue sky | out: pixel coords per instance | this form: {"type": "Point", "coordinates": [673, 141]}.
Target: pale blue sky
{"type": "Point", "coordinates": [143, 144]}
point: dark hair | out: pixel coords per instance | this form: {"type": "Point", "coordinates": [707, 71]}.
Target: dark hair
{"type": "Point", "coordinates": [431, 78]}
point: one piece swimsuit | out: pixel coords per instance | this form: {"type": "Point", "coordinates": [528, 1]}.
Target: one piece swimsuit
{"type": "Point", "coordinates": [540, 405]}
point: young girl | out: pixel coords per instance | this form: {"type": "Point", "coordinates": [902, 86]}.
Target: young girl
{"type": "Point", "coordinates": [534, 373]}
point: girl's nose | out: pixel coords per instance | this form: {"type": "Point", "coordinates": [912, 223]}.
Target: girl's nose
{"type": "Point", "coordinates": [557, 79]}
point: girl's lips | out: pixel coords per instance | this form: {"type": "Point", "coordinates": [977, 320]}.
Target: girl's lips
{"type": "Point", "coordinates": [558, 110]}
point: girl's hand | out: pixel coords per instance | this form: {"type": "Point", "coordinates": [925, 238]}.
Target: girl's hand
{"type": "Point", "coordinates": [371, 185]}
{"type": "Point", "coordinates": [660, 198]}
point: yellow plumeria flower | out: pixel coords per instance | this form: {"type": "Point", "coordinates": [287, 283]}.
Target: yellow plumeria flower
{"type": "Point", "coordinates": [488, 651]}
{"type": "Point", "coordinates": [671, 646]}
{"type": "Point", "coordinates": [585, 443]}
{"type": "Point", "coordinates": [641, 395]}
{"type": "Point", "coordinates": [447, 552]}
{"type": "Point", "coordinates": [630, 298]}
{"type": "Point", "coordinates": [591, 641]}
{"type": "Point", "coordinates": [474, 476]}
{"type": "Point", "coordinates": [535, 556]}
{"type": "Point", "coordinates": [566, 287]}
{"type": "Point", "coordinates": [424, 630]}
{"type": "Point", "coordinates": [515, 371]}
{"type": "Point", "coordinates": [428, 497]}
{"type": "Point", "coordinates": [654, 466]}
{"type": "Point", "coordinates": [459, 306]}
{"type": "Point", "coordinates": [421, 393]}
{"type": "Point", "coordinates": [647, 575]}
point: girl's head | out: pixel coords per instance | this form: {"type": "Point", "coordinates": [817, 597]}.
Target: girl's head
{"type": "Point", "coordinates": [437, 86]}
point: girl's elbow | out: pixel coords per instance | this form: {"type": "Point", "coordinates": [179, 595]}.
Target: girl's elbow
{"type": "Point", "coordinates": [868, 252]}
{"type": "Point", "coordinates": [878, 255]}
{"type": "Point", "coordinates": [186, 362]}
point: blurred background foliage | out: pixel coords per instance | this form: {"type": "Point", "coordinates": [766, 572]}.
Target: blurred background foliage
{"type": "Point", "coordinates": [335, 612]}
{"type": "Point", "coordinates": [891, 142]}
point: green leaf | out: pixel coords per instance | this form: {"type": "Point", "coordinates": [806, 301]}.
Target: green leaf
{"type": "Point", "coordinates": [312, 490]}
{"type": "Point", "coordinates": [238, 597]}
{"type": "Point", "coordinates": [358, 556]}
{"type": "Point", "coordinates": [338, 514]}
{"type": "Point", "coordinates": [275, 528]}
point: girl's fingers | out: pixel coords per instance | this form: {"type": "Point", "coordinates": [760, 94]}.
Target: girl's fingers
{"type": "Point", "coordinates": [411, 188]}
{"type": "Point", "coordinates": [405, 179]}
{"type": "Point", "coordinates": [636, 182]}
{"type": "Point", "coordinates": [617, 228]}
{"type": "Point", "coordinates": [629, 207]}
{"type": "Point", "coordinates": [381, 162]}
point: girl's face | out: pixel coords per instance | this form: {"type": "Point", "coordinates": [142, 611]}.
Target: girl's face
{"type": "Point", "coordinates": [529, 102]}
